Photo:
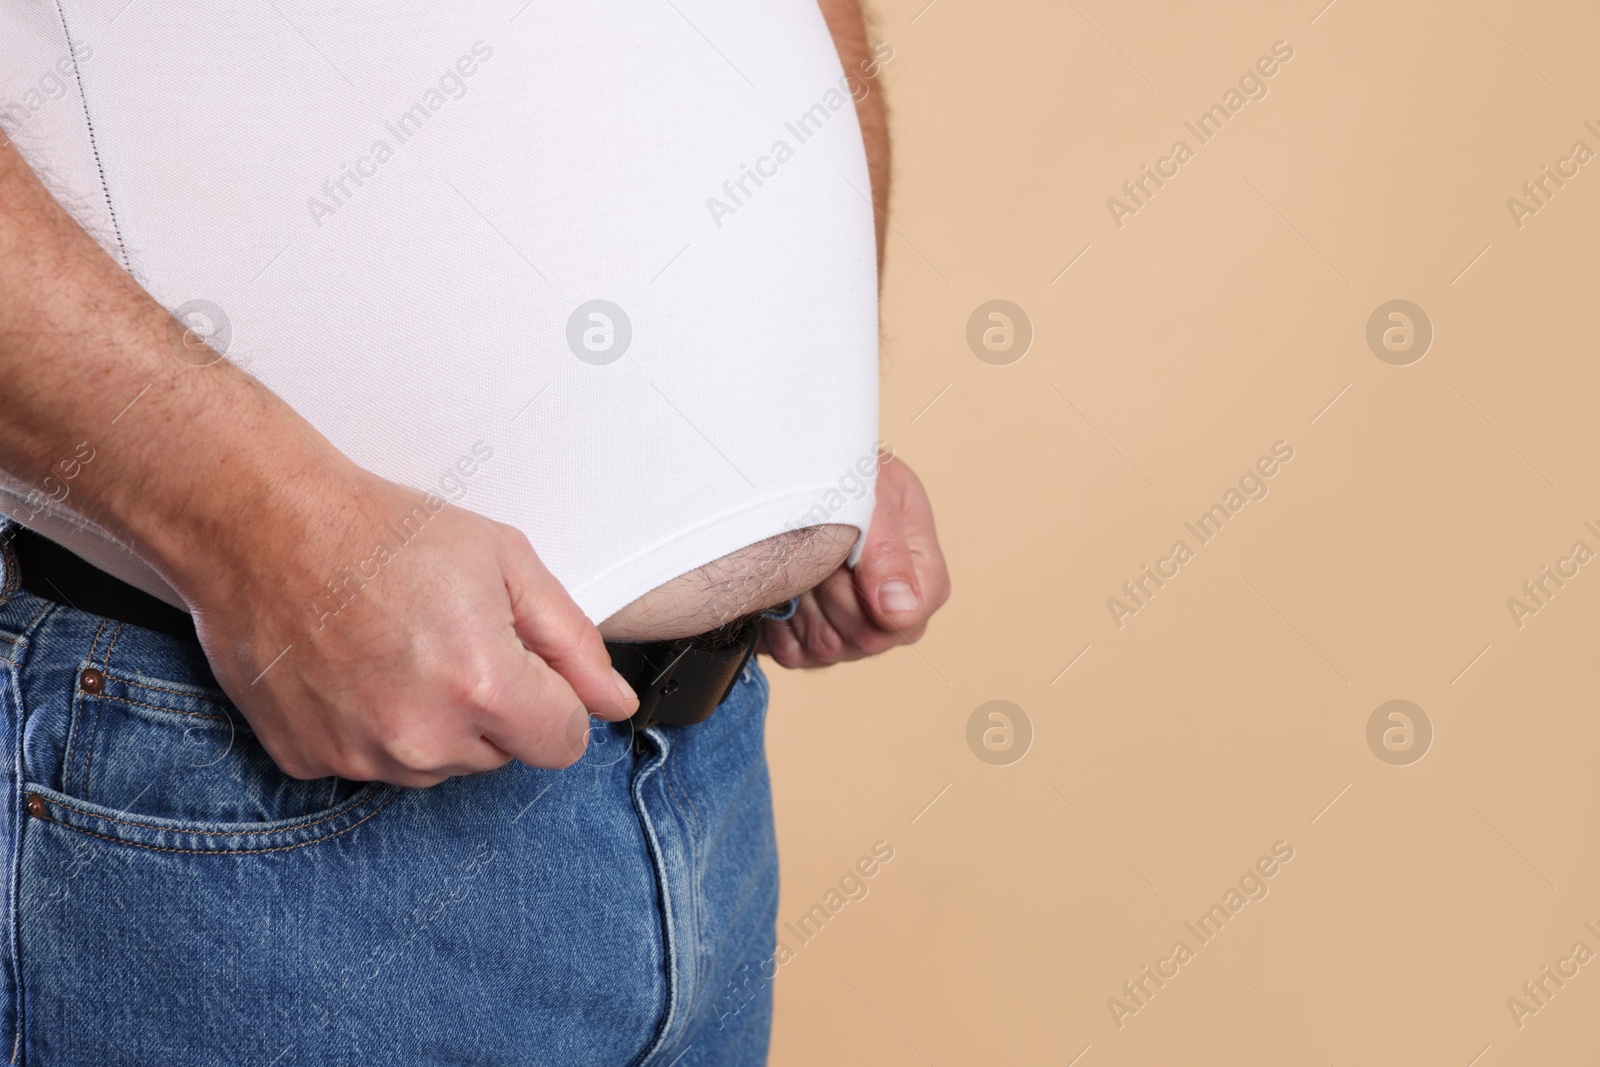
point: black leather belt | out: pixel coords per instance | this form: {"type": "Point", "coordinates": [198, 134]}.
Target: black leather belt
{"type": "Point", "coordinates": [679, 682]}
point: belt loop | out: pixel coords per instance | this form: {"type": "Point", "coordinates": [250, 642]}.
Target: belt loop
{"type": "Point", "coordinates": [784, 613]}
{"type": "Point", "coordinates": [10, 573]}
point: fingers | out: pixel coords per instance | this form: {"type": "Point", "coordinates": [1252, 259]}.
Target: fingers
{"type": "Point", "coordinates": [901, 573]}
{"type": "Point", "coordinates": [779, 642]}
{"type": "Point", "coordinates": [553, 627]}
{"type": "Point", "coordinates": [477, 758]}
{"type": "Point", "coordinates": [897, 585]}
{"type": "Point", "coordinates": [531, 712]}
{"type": "Point", "coordinates": [845, 606]}
{"type": "Point", "coordinates": [810, 638]}
{"type": "Point", "coordinates": [506, 690]}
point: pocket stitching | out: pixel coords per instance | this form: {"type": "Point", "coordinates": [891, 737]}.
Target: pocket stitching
{"type": "Point", "coordinates": [194, 833]}
{"type": "Point", "coordinates": [196, 694]}
{"type": "Point", "coordinates": [206, 833]}
{"type": "Point", "coordinates": [163, 708]}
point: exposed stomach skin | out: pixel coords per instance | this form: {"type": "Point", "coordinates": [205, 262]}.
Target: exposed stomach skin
{"type": "Point", "coordinates": [751, 579]}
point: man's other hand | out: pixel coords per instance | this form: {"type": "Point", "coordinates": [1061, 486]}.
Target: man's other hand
{"type": "Point", "coordinates": [886, 601]}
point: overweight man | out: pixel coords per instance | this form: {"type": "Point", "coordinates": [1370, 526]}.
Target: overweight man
{"type": "Point", "coordinates": [413, 419]}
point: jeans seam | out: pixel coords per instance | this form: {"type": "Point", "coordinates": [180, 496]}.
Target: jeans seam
{"type": "Point", "coordinates": [669, 954]}
{"type": "Point", "coordinates": [135, 684]}
{"type": "Point", "coordinates": [197, 833]}
{"type": "Point", "coordinates": [94, 728]}
{"type": "Point", "coordinates": [158, 707]}
{"type": "Point", "coordinates": [13, 693]}
{"type": "Point", "coordinates": [207, 851]}
{"type": "Point", "coordinates": [77, 703]}
{"type": "Point", "coordinates": [170, 711]}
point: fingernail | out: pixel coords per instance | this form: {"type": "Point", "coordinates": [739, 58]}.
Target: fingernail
{"type": "Point", "coordinates": [629, 697]}
{"type": "Point", "coordinates": [897, 596]}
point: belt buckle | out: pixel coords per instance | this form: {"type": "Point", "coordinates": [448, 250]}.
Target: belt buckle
{"type": "Point", "coordinates": [681, 682]}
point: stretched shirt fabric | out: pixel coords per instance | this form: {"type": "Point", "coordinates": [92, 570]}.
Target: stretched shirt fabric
{"type": "Point", "coordinates": [602, 271]}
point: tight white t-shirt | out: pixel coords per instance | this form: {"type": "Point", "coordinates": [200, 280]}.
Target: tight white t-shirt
{"type": "Point", "coordinates": [602, 271]}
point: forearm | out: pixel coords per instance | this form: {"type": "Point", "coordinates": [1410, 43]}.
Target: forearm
{"type": "Point", "coordinates": [861, 61]}
{"type": "Point", "coordinates": [183, 452]}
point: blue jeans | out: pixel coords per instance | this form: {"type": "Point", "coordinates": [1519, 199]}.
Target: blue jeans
{"type": "Point", "coordinates": [173, 898]}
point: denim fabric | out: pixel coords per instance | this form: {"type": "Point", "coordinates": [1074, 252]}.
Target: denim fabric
{"type": "Point", "coordinates": [784, 611]}
{"type": "Point", "coordinates": [175, 899]}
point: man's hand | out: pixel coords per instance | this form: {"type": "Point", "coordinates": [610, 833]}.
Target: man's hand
{"type": "Point", "coordinates": [450, 652]}
{"type": "Point", "coordinates": [897, 585]}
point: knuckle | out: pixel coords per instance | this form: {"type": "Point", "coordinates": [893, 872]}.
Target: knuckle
{"type": "Point", "coordinates": [887, 555]}
{"type": "Point", "coordinates": [473, 686]}
{"type": "Point", "coordinates": [298, 769]}
{"type": "Point", "coordinates": [356, 769]}
{"type": "Point", "coordinates": [823, 643]}
{"type": "Point", "coordinates": [570, 634]}
{"type": "Point", "coordinates": [414, 752]}
{"type": "Point", "coordinates": [873, 642]}
{"type": "Point", "coordinates": [514, 538]}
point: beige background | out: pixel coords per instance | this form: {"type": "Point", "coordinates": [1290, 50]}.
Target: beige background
{"type": "Point", "coordinates": [1231, 711]}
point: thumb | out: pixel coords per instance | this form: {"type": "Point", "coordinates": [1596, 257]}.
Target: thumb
{"type": "Point", "coordinates": [886, 574]}
{"type": "Point", "coordinates": [552, 626]}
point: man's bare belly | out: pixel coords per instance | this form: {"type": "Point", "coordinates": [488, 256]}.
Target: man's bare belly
{"type": "Point", "coordinates": [755, 577]}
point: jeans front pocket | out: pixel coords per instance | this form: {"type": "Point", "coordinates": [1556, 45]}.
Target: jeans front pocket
{"type": "Point", "coordinates": [159, 758]}
{"type": "Point", "coordinates": [174, 751]}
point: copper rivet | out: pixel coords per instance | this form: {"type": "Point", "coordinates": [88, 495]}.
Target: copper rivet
{"type": "Point", "coordinates": [36, 806]}
{"type": "Point", "coordinates": [92, 681]}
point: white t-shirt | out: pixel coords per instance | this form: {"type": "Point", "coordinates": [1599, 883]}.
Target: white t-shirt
{"type": "Point", "coordinates": [602, 271]}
